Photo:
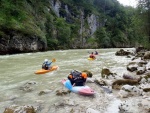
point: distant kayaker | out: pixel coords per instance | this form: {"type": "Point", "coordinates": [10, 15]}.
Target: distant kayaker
{"type": "Point", "coordinates": [46, 64]}
{"type": "Point", "coordinates": [92, 55]}
{"type": "Point", "coordinates": [96, 53]}
{"type": "Point", "coordinates": [77, 78]}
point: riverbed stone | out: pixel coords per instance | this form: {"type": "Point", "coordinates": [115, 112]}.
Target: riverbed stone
{"type": "Point", "coordinates": [44, 92]}
{"type": "Point", "coordinates": [20, 109]}
{"type": "Point", "coordinates": [62, 92]}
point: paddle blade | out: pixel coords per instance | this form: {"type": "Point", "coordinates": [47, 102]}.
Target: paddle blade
{"type": "Point", "coordinates": [68, 84]}
{"type": "Point", "coordinates": [54, 60]}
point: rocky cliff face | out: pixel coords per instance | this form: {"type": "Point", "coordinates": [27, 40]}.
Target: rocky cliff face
{"type": "Point", "coordinates": [44, 16]}
{"type": "Point", "coordinates": [16, 42]}
{"type": "Point", "coordinates": [62, 24]}
{"type": "Point", "coordinates": [56, 6]}
{"type": "Point", "coordinates": [92, 19]}
{"type": "Point", "coordinates": [88, 23]}
{"type": "Point", "coordinates": [93, 23]}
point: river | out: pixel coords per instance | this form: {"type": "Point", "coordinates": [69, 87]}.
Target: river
{"type": "Point", "coordinates": [18, 69]}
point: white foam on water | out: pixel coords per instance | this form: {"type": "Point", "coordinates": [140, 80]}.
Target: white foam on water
{"type": "Point", "coordinates": [113, 107]}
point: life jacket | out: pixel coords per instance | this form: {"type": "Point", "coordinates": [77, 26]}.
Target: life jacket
{"type": "Point", "coordinates": [77, 77]}
{"type": "Point", "coordinates": [45, 66]}
{"type": "Point", "coordinates": [92, 56]}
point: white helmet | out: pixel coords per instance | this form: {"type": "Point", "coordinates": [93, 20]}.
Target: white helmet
{"type": "Point", "coordinates": [46, 60]}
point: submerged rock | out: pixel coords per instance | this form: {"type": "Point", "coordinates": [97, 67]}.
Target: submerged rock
{"type": "Point", "coordinates": [62, 92]}
{"type": "Point", "coordinates": [29, 86]}
{"type": "Point", "coordinates": [44, 92]}
{"type": "Point", "coordinates": [20, 109]}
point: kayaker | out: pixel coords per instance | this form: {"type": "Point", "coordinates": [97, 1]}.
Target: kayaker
{"type": "Point", "coordinates": [46, 64]}
{"type": "Point", "coordinates": [96, 53]}
{"type": "Point", "coordinates": [77, 78]}
{"type": "Point", "coordinates": [92, 55]}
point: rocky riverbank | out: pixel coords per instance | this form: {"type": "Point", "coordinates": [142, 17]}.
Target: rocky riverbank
{"type": "Point", "coordinates": [115, 92]}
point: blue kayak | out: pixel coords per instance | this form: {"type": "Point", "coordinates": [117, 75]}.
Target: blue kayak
{"type": "Point", "coordinates": [83, 90]}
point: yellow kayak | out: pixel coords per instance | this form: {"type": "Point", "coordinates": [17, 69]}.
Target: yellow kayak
{"type": "Point", "coordinates": [43, 71]}
{"type": "Point", "coordinates": [91, 58]}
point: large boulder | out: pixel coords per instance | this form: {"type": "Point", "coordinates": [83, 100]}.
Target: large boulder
{"type": "Point", "coordinates": [122, 52]}
{"type": "Point", "coordinates": [121, 82]}
{"type": "Point", "coordinates": [105, 72]}
{"type": "Point", "coordinates": [147, 55]}
{"type": "Point", "coordinates": [132, 66]}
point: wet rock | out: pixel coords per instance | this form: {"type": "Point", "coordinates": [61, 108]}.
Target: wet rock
{"type": "Point", "coordinates": [13, 97]}
{"type": "Point", "coordinates": [124, 107]}
{"type": "Point", "coordinates": [89, 74]}
{"type": "Point", "coordinates": [106, 72]}
{"type": "Point", "coordinates": [145, 78]}
{"type": "Point", "coordinates": [131, 106]}
{"type": "Point", "coordinates": [140, 49]}
{"type": "Point", "coordinates": [103, 85]}
{"type": "Point", "coordinates": [122, 52]}
{"type": "Point", "coordinates": [140, 54]}
{"type": "Point", "coordinates": [132, 66]}
{"type": "Point", "coordinates": [140, 70]}
{"type": "Point", "coordinates": [124, 82]}
{"type": "Point", "coordinates": [148, 66]}
{"type": "Point", "coordinates": [44, 92]}
{"type": "Point", "coordinates": [128, 90]}
{"type": "Point", "coordinates": [147, 55]}
{"type": "Point", "coordinates": [146, 89]}
{"type": "Point", "coordinates": [126, 76]}
{"type": "Point", "coordinates": [62, 92]}
{"type": "Point", "coordinates": [142, 63]}
{"type": "Point", "coordinates": [28, 87]}
{"type": "Point", "coordinates": [116, 86]}
{"type": "Point", "coordinates": [137, 65]}
{"type": "Point", "coordinates": [65, 102]}
{"type": "Point", "coordinates": [129, 56]}
{"type": "Point", "coordinates": [20, 109]}
{"type": "Point", "coordinates": [100, 82]}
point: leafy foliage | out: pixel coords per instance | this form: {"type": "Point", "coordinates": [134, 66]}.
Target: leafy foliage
{"type": "Point", "coordinates": [144, 16]}
{"type": "Point", "coordinates": [118, 25]}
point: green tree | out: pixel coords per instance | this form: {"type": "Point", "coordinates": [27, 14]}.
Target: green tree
{"type": "Point", "coordinates": [144, 13]}
{"type": "Point", "coordinates": [103, 38]}
{"type": "Point", "coordinates": [63, 32]}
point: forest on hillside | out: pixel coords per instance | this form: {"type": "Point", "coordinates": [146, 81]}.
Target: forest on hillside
{"type": "Point", "coordinates": [64, 24]}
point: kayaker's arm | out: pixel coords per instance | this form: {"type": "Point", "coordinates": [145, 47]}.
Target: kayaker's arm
{"type": "Point", "coordinates": [49, 63]}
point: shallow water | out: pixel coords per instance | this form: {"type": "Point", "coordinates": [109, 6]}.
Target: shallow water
{"type": "Point", "coordinates": [16, 70]}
